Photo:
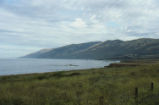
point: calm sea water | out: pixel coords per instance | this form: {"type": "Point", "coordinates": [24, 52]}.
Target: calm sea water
{"type": "Point", "coordinates": [26, 66]}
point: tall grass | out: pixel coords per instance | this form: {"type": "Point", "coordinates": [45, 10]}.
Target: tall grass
{"type": "Point", "coordinates": [112, 86]}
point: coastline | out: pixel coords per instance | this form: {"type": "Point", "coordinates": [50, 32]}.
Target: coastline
{"type": "Point", "coordinates": [29, 66]}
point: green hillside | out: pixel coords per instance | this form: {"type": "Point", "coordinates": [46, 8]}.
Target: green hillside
{"type": "Point", "coordinates": [115, 49]}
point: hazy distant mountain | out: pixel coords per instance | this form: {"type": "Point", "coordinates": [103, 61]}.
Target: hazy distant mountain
{"type": "Point", "coordinates": [115, 49]}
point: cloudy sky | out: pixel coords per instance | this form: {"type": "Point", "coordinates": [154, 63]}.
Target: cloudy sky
{"type": "Point", "coordinates": [29, 25]}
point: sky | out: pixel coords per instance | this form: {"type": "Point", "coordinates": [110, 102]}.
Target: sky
{"type": "Point", "coordinates": [30, 25]}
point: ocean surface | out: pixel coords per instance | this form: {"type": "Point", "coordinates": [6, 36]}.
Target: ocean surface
{"type": "Point", "coordinates": [26, 66]}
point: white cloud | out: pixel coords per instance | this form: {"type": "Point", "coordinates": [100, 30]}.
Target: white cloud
{"type": "Point", "coordinates": [78, 23]}
{"type": "Point", "coordinates": [53, 23]}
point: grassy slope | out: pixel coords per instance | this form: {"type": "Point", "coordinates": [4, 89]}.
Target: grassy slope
{"type": "Point", "coordinates": [144, 48]}
{"type": "Point", "coordinates": [116, 85]}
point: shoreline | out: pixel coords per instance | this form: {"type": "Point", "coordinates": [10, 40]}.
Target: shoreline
{"type": "Point", "coordinates": [49, 72]}
{"type": "Point", "coordinates": [32, 66]}
{"type": "Point", "coordinates": [130, 63]}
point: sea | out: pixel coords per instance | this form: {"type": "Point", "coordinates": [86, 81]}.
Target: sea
{"type": "Point", "coordinates": [29, 66]}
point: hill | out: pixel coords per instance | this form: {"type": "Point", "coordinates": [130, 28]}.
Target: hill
{"type": "Point", "coordinates": [62, 52]}
{"type": "Point", "coordinates": [111, 49]}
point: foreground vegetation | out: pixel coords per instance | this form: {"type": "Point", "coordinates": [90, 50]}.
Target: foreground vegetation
{"type": "Point", "coordinates": [105, 86]}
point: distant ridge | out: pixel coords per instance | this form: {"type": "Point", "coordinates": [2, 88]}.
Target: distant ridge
{"type": "Point", "coordinates": [145, 48]}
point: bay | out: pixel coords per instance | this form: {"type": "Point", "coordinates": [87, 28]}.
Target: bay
{"type": "Point", "coordinates": [27, 66]}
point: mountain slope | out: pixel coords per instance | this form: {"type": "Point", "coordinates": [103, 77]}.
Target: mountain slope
{"type": "Point", "coordinates": [62, 52]}
{"type": "Point", "coordinates": [116, 49]}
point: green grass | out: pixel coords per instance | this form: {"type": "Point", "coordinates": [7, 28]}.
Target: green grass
{"type": "Point", "coordinates": [107, 86]}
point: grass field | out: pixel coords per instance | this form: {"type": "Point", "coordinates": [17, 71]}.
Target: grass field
{"type": "Point", "coordinates": [105, 86]}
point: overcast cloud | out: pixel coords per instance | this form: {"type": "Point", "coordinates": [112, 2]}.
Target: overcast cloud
{"type": "Point", "coordinates": [29, 25]}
